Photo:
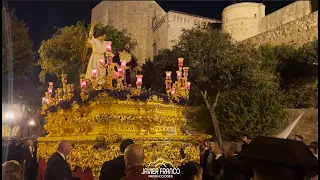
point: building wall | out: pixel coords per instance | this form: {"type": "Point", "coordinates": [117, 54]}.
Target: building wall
{"type": "Point", "coordinates": [178, 21]}
{"type": "Point", "coordinates": [296, 32]}
{"type": "Point", "coordinates": [134, 16]}
{"type": "Point", "coordinates": [241, 20]}
{"type": "Point", "coordinates": [284, 15]}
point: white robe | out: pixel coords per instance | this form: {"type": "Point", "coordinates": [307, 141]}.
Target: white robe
{"type": "Point", "coordinates": [98, 50]}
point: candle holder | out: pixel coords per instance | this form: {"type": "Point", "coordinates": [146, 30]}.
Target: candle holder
{"type": "Point", "coordinates": [108, 46]}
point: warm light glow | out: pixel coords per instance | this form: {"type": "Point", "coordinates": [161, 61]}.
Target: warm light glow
{"type": "Point", "coordinates": [43, 100]}
{"type": "Point", "coordinates": [50, 91]}
{"type": "Point", "coordinates": [108, 47]}
{"type": "Point", "coordinates": [101, 61]}
{"type": "Point", "coordinates": [139, 80]}
{"type": "Point", "coordinates": [180, 62]}
{"type": "Point", "coordinates": [94, 73]}
{"type": "Point", "coordinates": [120, 73]}
{"type": "Point", "coordinates": [168, 75]}
{"type": "Point", "coordinates": [173, 91]}
{"type": "Point", "coordinates": [123, 64]}
{"type": "Point", "coordinates": [32, 123]}
{"type": "Point", "coordinates": [9, 115]}
{"type": "Point", "coordinates": [178, 74]}
{"type": "Point", "coordinates": [188, 86]}
{"type": "Point", "coordinates": [50, 84]}
{"type": "Point", "coordinates": [83, 83]}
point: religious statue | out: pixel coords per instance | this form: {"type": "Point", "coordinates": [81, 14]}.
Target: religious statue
{"type": "Point", "coordinates": [98, 53]}
{"type": "Point", "coordinates": [132, 66]}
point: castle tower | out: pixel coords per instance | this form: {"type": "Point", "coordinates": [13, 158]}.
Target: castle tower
{"type": "Point", "coordinates": [241, 20]}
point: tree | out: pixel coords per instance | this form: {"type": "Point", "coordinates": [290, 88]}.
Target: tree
{"type": "Point", "coordinates": [256, 110]}
{"type": "Point", "coordinates": [20, 44]}
{"type": "Point", "coordinates": [67, 51]}
{"type": "Point", "coordinates": [216, 64]}
{"type": "Point", "coordinates": [297, 71]}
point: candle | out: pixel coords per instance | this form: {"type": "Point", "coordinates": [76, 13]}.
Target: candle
{"type": "Point", "coordinates": [83, 83]}
{"type": "Point", "coordinates": [168, 75]}
{"type": "Point", "coordinates": [46, 100]}
{"type": "Point", "coordinates": [51, 84]}
{"type": "Point", "coordinates": [94, 73]}
{"type": "Point", "coordinates": [178, 74]}
{"type": "Point", "coordinates": [109, 60]}
{"type": "Point", "coordinates": [188, 86]}
{"type": "Point", "coordinates": [120, 73]}
{"type": "Point", "coordinates": [50, 91]}
{"type": "Point", "coordinates": [168, 85]}
{"type": "Point", "coordinates": [139, 80]}
{"type": "Point", "coordinates": [182, 82]}
{"type": "Point", "coordinates": [173, 91]}
{"type": "Point", "coordinates": [123, 64]}
{"type": "Point", "coordinates": [43, 100]}
{"type": "Point", "coordinates": [180, 62]}
{"type": "Point", "coordinates": [108, 46]}
{"type": "Point", "coordinates": [101, 61]}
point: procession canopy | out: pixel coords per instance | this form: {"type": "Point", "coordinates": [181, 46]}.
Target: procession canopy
{"type": "Point", "coordinates": [105, 111]}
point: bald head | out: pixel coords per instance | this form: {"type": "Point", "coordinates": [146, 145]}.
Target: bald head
{"type": "Point", "coordinates": [133, 155]}
{"type": "Point", "coordinates": [64, 147]}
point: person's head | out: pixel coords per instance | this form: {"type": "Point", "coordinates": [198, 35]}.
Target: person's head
{"type": "Point", "coordinates": [133, 155]}
{"type": "Point", "coordinates": [314, 146]}
{"type": "Point", "coordinates": [64, 147]}
{"type": "Point", "coordinates": [124, 144]}
{"type": "Point", "coordinates": [30, 142]}
{"type": "Point", "coordinates": [298, 138]}
{"type": "Point", "coordinates": [275, 172]}
{"type": "Point", "coordinates": [11, 170]}
{"type": "Point", "coordinates": [245, 138]}
{"type": "Point", "coordinates": [192, 171]}
{"type": "Point", "coordinates": [233, 149]}
{"type": "Point", "coordinates": [211, 145]}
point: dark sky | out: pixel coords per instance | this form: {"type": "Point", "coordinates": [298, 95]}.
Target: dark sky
{"type": "Point", "coordinates": [43, 17]}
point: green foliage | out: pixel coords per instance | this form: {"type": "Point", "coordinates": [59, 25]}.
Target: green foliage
{"type": "Point", "coordinates": [297, 71]}
{"type": "Point", "coordinates": [253, 110]}
{"type": "Point", "coordinates": [67, 52]}
{"type": "Point", "coordinates": [216, 63]}
{"type": "Point", "coordinates": [21, 47]}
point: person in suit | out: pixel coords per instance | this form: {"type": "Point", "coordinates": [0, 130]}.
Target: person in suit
{"type": "Point", "coordinates": [133, 158]}
{"type": "Point", "coordinates": [57, 166]}
{"type": "Point", "coordinates": [116, 168]}
{"type": "Point", "coordinates": [30, 161]}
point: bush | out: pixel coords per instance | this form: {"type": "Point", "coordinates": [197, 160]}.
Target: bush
{"type": "Point", "coordinates": [253, 110]}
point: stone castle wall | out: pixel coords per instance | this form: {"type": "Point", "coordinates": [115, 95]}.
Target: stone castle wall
{"type": "Point", "coordinates": [241, 20]}
{"type": "Point", "coordinates": [296, 32]}
{"type": "Point", "coordinates": [178, 21]}
{"type": "Point", "coordinates": [284, 15]}
{"type": "Point", "coordinates": [147, 23]}
{"type": "Point", "coordinates": [136, 17]}
{"type": "Point", "coordinates": [292, 24]}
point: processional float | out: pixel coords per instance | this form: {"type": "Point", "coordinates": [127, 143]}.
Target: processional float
{"type": "Point", "coordinates": [105, 111]}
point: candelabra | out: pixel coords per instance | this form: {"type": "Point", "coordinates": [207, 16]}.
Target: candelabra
{"type": "Point", "coordinates": [181, 87]}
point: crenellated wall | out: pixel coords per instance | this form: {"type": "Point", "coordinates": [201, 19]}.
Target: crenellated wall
{"type": "Point", "coordinates": [284, 15]}
{"type": "Point", "coordinates": [292, 24]}
{"type": "Point", "coordinates": [296, 32]}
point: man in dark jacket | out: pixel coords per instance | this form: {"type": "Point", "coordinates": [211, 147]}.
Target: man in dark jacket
{"type": "Point", "coordinates": [116, 168]}
{"type": "Point", "coordinates": [57, 166]}
{"type": "Point", "coordinates": [30, 158]}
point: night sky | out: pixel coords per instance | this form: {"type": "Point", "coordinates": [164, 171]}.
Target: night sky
{"type": "Point", "coordinates": [44, 17]}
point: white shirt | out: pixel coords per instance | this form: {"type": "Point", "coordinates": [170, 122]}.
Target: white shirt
{"type": "Point", "coordinates": [31, 150]}
{"type": "Point", "coordinates": [62, 155]}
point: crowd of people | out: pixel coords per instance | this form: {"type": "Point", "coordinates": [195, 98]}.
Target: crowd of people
{"type": "Point", "coordinates": [263, 158]}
